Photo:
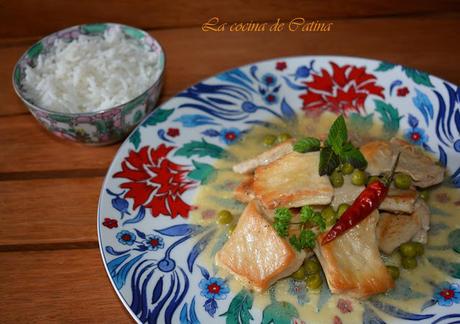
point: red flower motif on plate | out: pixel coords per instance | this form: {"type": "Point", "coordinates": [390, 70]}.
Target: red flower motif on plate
{"type": "Point", "coordinates": [344, 305]}
{"type": "Point", "coordinates": [280, 66]}
{"type": "Point", "coordinates": [110, 223]}
{"type": "Point", "coordinates": [156, 182]}
{"type": "Point", "coordinates": [345, 90]}
{"type": "Point", "coordinates": [173, 132]}
{"type": "Point", "coordinates": [337, 320]}
{"type": "Point", "coordinates": [402, 92]}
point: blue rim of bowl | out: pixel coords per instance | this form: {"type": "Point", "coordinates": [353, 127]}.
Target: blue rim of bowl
{"type": "Point", "coordinates": [157, 80]}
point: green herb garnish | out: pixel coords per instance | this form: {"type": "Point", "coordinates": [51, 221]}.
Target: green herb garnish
{"type": "Point", "coordinates": [351, 154]}
{"type": "Point", "coordinates": [336, 150]}
{"type": "Point", "coordinates": [282, 220]}
{"type": "Point", "coordinates": [306, 238]}
{"type": "Point", "coordinates": [328, 161]}
{"type": "Point", "coordinates": [307, 144]}
{"type": "Point", "coordinates": [338, 135]}
{"type": "Point", "coordinates": [307, 214]}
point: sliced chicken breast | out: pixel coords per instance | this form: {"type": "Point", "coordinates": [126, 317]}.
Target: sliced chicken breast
{"type": "Point", "coordinates": [255, 254]}
{"type": "Point", "coordinates": [352, 262]}
{"type": "Point", "coordinates": [264, 158]}
{"type": "Point", "coordinates": [346, 194]}
{"type": "Point", "coordinates": [394, 230]}
{"type": "Point", "coordinates": [292, 181]}
{"type": "Point", "coordinates": [244, 192]}
{"type": "Point", "coordinates": [399, 201]}
{"type": "Point", "coordinates": [380, 156]}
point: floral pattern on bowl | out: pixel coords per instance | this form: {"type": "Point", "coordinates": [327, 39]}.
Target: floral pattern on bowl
{"type": "Point", "coordinates": [94, 128]}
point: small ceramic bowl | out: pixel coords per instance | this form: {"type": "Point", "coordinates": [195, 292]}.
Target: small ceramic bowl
{"type": "Point", "coordinates": [95, 128]}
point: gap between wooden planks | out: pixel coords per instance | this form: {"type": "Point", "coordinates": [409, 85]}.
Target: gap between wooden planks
{"type": "Point", "coordinates": [423, 42]}
{"type": "Point", "coordinates": [68, 286]}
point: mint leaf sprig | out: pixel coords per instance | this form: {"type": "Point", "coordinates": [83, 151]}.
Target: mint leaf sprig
{"type": "Point", "coordinates": [306, 237]}
{"type": "Point", "coordinates": [335, 150]}
{"type": "Point", "coordinates": [307, 144]}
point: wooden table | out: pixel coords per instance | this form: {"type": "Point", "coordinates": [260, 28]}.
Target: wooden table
{"type": "Point", "coordinates": [50, 268]}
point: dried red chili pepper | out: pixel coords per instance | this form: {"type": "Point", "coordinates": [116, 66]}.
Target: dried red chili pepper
{"type": "Point", "coordinates": [367, 201]}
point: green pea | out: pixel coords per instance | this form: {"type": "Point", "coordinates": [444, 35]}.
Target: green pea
{"type": "Point", "coordinates": [425, 194]}
{"type": "Point", "coordinates": [403, 181]}
{"type": "Point", "coordinates": [336, 179]}
{"type": "Point", "coordinates": [312, 266]}
{"type": "Point", "coordinates": [299, 274]}
{"type": "Point", "coordinates": [408, 250]}
{"type": "Point", "coordinates": [419, 248]}
{"type": "Point", "coordinates": [393, 271]}
{"type": "Point", "coordinates": [347, 168]}
{"type": "Point", "coordinates": [341, 209]}
{"type": "Point", "coordinates": [224, 217]}
{"type": "Point", "coordinates": [269, 140]}
{"type": "Point", "coordinates": [283, 137]}
{"type": "Point", "coordinates": [358, 177]}
{"type": "Point", "coordinates": [408, 263]}
{"type": "Point", "coordinates": [372, 179]}
{"type": "Point", "coordinates": [329, 215]}
{"type": "Point", "coordinates": [314, 281]}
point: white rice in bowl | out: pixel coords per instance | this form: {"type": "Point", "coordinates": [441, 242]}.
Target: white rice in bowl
{"type": "Point", "coordinates": [91, 73]}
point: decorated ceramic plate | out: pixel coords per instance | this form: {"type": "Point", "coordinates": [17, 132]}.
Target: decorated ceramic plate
{"type": "Point", "coordinates": [163, 192]}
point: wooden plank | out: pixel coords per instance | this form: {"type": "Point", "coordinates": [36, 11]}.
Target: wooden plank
{"type": "Point", "coordinates": [26, 146]}
{"type": "Point", "coordinates": [193, 55]}
{"type": "Point", "coordinates": [68, 286]}
{"type": "Point", "coordinates": [49, 211]}
{"type": "Point", "coordinates": [415, 42]}
{"type": "Point", "coordinates": [11, 104]}
{"type": "Point", "coordinates": [39, 17]}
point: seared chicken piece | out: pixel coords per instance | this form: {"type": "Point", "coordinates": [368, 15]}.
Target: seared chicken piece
{"type": "Point", "coordinates": [396, 201]}
{"type": "Point", "coordinates": [380, 156]}
{"type": "Point", "coordinates": [399, 201]}
{"type": "Point", "coordinates": [292, 181]}
{"type": "Point", "coordinates": [255, 253]}
{"type": "Point", "coordinates": [394, 230]}
{"type": "Point", "coordinates": [264, 158]}
{"type": "Point", "coordinates": [244, 192]}
{"type": "Point", "coordinates": [346, 194]}
{"type": "Point", "coordinates": [352, 262]}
